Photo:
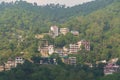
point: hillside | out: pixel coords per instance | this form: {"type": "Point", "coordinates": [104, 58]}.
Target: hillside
{"type": "Point", "coordinates": [20, 21]}
{"type": "Point", "coordinates": [98, 22]}
{"type": "Point", "coordinates": [102, 28]}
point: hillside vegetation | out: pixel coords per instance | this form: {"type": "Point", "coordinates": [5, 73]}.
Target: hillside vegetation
{"type": "Point", "coordinates": [97, 21]}
{"type": "Point", "coordinates": [102, 28]}
{"type": "Point", "coordinates": [20, 21]}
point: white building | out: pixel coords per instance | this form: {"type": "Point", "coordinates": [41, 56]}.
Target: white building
{"type": "Point", "coordinates": [54, 31]}
{"type": "Point", "coordinates": [64, 31]}
{"type": "Point", "coordinates": [51, 49]}
{"type": "Point", "coordinates": [19, 60]}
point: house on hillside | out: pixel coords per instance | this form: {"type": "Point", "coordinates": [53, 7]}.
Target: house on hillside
{"type": "Point", "coordinates": [19, 60]}
{"type": "Point", "coordinates": [50, 49]}
{"type": "Point", "coordinates": [75, 33]}
{"type": "Point", "coordinates": [64, 31]}
{"type": "Point", "coordinates": [65, 49]}
{"type": "Point", "coordinates": [59, 52]}
{"type": "Point", "coordinates": [73, 48]}
{"type": "Point", "coordinates": [43, 48]}
{"type": "Point", "coordinates": [46, 50]}
{"type": "Point", "coordinates": [69, 60]}
{"type": "Point", "coordinates": [85, 44]}
{"type": "Point", "coordinates": [54, 31]}
{"type": "Point", "coordinates": [39, 36]}
{"type": "Point", "coordinates": [9, 64]}
{"type": "Point", "coordinates": [1, 68]}
{"type": "Point", "coordinates": [72, 60]}
{"type": "Point", "coordinates": [114, 60]}
{"type": "Point", "coordinates": [111, 68]}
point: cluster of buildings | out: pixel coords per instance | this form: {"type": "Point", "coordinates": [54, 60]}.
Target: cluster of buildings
{"type": "Point", "coordinates": [46, 50]}
{"type": "Point", "coordinates": [74, 48]}
{"type": "Point", "coordinates": [67, 60]}
{"type": "Point", "coordinates": [55, 31]}
{"type": "Point", "coordinates": [11, 63]}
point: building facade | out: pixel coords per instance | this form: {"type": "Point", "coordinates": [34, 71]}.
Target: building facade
{"type": "Point", "coordinates": [19, 60]}
{"type": "Point", "coordinates": [54, 31]}
{"type": "Point", "coordinates": [74, 48]}
{"type": "Point", "coordinates": [86, 45]}
{"type": "Point", "coordinates": [9, 64]}
{"type": "Point", "coordinates": [64, 31]}
{"type": "Point", "coordinates": [72, 60]}
{"type": "Point", "coordinates": [51, 49]}
{"type": "Point", "coordinates": [111, 68]}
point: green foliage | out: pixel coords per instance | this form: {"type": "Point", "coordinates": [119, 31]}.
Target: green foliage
{"type": "Point", "coordinates": [20, 21]}
{"type": "Point", "coordinates": [64, 40]}
{"type": "Point", "coordinates": [60, 41]}
{"type": "Point", "coordinates": [97, 22]}
{"type": "Point", "coordinates": [49, 39]}
{"type": "Point", "coordinates": [102, 29]}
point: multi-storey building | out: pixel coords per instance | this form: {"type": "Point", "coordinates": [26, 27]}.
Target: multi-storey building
{"type": "Point", "coordinates": [50, 49]}
{"type": "Point", "coordinates": [54, 31]}
{"type": "Point", "coordinates": [59, 52]}
{"type": "Point", "coordinates": [9, 64]}
{"type": "Point", "coordinates": [46, 50]}
{"type": "Point", "coordinates": [74, 48]}
{"type": "Point", "coordinates": [43, 48]}
{"type": "Point", "coordinates": [19, 60]}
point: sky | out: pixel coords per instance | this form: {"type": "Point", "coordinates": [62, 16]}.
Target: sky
{"type": "Point", "coordinates": [44, 2]}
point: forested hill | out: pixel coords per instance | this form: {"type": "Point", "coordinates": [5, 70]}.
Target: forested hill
{"type": "Point", "coordinates": [55, 13]}
{"type": "Point", "coordinates": [37, 19]}
{"type": "Point", "coordinates": [99, 23]}
{"type": "Point", "coordinates": [102, 28]}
